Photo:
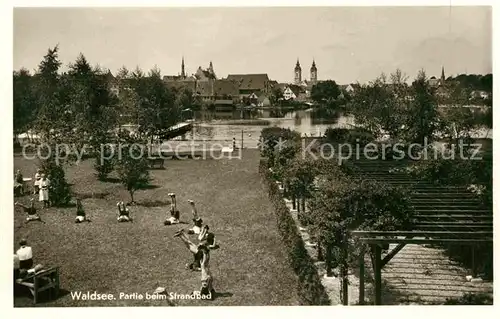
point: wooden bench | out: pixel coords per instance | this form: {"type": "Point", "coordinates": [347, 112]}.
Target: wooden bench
{"type": "Point", "coordinates": [43, 280]}
{"type": "Point", "coordinates": [156, 161]}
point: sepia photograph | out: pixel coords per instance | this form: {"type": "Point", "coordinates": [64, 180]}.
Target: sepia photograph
{"type": "Point", "coordinates": [252, 156]}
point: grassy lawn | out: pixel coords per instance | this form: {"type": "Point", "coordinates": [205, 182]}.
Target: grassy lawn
{"type": "Point", "coordinates": [105, 256]}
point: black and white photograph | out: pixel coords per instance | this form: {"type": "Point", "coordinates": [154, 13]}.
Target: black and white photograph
{"type": "Point", "coordinates": [251, 156]}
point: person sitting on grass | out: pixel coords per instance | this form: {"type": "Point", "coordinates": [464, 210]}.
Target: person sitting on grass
{"type": "Point", "coordinates": [207, 280]}
{"type": "Point", "coordinates": [207, 238]}
{"type": "Point", "coordinates": [31, 211]}
{"type": "Point", "coordinates": [80, 213]}
{"type": "Point", "coordinates": [195, 249]}
{"type": "Point", "coordinates": [174, 212]}
{"type": "Point", "coordinates": [123, 213]}
{"type": "Point", "coordinates": [198, 222]}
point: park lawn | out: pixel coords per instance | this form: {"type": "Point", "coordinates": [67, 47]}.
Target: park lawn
{"type": "Point", "coordinates": [105, 256]}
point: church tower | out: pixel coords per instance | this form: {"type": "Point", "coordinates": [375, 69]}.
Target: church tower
{"type": "Point", "coordinates": [298, 73]}
{"type": "Point", "coordinates": [442, 76]}
{"type": "Point", "coordinates": [183, 71]}
{"type": "Point", "coordinates": [314, 73]}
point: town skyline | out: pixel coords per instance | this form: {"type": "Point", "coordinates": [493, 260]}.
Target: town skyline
{"type": "Point", "coordinates": [340, 48]}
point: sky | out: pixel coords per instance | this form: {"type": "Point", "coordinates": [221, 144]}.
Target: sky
{"type": "Point", "coordinates": [349, 44]}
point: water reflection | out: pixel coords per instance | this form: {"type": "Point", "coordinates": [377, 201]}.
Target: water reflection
{"type": "Point", "coordinates": [217, 126]}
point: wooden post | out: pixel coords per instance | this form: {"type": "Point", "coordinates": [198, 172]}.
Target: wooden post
{"type": "Point", "coordinates": [294, 201]}
{"type": "Point", "coordinates": [241, 139]}
{"type": "Point", "coordinates": [345, 275]}
{"type": "Point", "coordinates": [473, 251]}
{"type": "Point", "coordinates": [362, 276]}
{"type": "Point", "coordinates": [378, 275]}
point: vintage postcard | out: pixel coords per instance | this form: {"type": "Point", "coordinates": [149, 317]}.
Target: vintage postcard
{"type": "Point", "coordinates": [252, 156]}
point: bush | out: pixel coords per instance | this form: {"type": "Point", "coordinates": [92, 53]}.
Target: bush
{"type": "Point", "coordinates": [471, 299]}
{"type": "Point", "coordinates": [310, 289]}
{"type": "Point", "coordinates": [59, 189]}
{"type": "Point", "coordinates": [106, 166]}
{"type": "Point", "coordinates": [349, 136]}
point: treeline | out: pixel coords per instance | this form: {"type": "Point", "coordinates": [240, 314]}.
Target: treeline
{"type": "Point", "coordinates": [87, 100]}
{"type": "Point", "coordinates": [82, 110]}
{"type": "Point", "coordinates": [474, 81]}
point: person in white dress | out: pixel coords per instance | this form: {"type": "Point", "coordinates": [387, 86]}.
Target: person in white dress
{"type": "Point", "coordinates": [36, 185]}
{"type": "Point", "coordinates": [44, 191]}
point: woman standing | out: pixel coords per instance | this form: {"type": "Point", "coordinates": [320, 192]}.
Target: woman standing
{"type": "Point", "coordinates": [36, 185]}
{"type": "Point", "coordinates": [44, 191]}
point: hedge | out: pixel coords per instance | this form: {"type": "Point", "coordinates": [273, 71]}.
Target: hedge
{"type": "Point", "coordinates": [310, 289]}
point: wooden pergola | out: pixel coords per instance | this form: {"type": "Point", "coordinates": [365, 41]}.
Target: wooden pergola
{"type": "Point", "coordinates": [443, 215]}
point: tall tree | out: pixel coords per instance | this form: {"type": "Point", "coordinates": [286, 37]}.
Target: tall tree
{"type": "Point", "coordinates": [326, 94]}
{"type": "Point", "coordinates": [423, 117]}
{"type": "Point", "coordinates": [47, 94]}
{"type": "Point", "coordinates": [24, 104]}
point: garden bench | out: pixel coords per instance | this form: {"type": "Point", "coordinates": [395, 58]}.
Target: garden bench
{"type": "Point", "coordinates": [156, 161]}
{"type": "Point", "coordinates": [43, 280]}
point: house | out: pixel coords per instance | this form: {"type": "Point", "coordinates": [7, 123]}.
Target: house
{"type": "Point", "coordinates": [263, 101]}
{"type": "Point", "coordinates": [251, 83]}
{"type": "Point", "coordinates": [479, 95]}
{"type": "Point", "coordinates": [288, 94]}
{"type": "Point", "coordinates": [349, 88]}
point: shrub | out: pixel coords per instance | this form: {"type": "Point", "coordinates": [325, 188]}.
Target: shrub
{"type": "Point", "coordinates": [471, 299]}
{"type": "Point", "coordinates": [310, 289]}
{"type": "Point", "coordinates": [59, 189]}
{"type": "Point", "coordinates": [350, 136]}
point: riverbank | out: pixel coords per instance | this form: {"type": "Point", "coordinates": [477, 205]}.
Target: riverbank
{"type": "Point", "coordinates": [258, 122]}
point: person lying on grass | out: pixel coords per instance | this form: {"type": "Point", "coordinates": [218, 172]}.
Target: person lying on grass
{"type": "Point", "coordinates": [207, 238]}
{"type": "Point", "coordinates": [123, 213]}
{"type": "Point", "coordinates": [80, 213]}
{"type": "Point", "coordinates": [207, 288]}
{"type": "Point", "coordinates": [174, 212]}
{"type": "Point", "coordinates": [198, 222]}
{"type": "Point", "coordinates": [31, 211]}
{"type": "Point", "coordinates": [193, 248]}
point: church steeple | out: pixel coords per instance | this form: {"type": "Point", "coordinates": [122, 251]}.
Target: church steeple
{"type": "Point", "coordinates": [298, 73]}
{"type": "Point", "coordinates": [442, 75]}
{"type": "Point", "coordinates": [314, 73]}
{"type": "Point", "coordinates": [183, 71]}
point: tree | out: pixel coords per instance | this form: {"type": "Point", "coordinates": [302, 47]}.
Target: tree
{"type": "Point", "coordinates": [131, 164]}
{"type": "Point", "coordinates": [381, 106]}
{"type": "Point", "coordinates": [93, 110]}
{"type": "Point", "coordinates": [326, 94]}
{"type": "Point", "coordinates": [24, 104]}
{"type": "Point", "coordinates": [47, 95]}
{"type": "Point", "coordinates": [276, 96]}
{"type": "Point", "coordinates": [59, 189]}
{"type": "Point", "coordinates": [423, 119]}
{"type": "Point", "coordinates": [349, 204]}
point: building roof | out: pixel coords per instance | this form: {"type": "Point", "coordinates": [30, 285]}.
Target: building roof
{"type": "Point", "coordinates": [181, 84]}
{"type": "Point", "coordinates": [225, 87]}
{"type": "Point", "coordinates": [250, 81]}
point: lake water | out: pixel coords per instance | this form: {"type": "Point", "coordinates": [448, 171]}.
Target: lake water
{"type": "Point", "coordinates": [214, 125]}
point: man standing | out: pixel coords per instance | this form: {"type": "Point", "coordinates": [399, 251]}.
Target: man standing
{"type": "Point", "coordinates": [25, 254]}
